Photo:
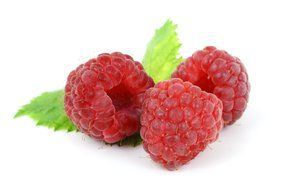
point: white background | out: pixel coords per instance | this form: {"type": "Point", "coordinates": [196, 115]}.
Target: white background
{"type": "Point", "coordinates": [42, 41]}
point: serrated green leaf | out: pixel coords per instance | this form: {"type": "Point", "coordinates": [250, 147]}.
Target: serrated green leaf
{"type": "Point", "coordinates": [162, 53]}
{"type": "Point", "coordinates": [48, 110]}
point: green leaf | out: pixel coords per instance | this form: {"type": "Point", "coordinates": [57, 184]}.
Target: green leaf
{"type": "Point", "coordinates": [162, 53]}
{"type": "Point", "coordinates": [48, 110]}
{"type": "Point", "coordinates": [133, 140]}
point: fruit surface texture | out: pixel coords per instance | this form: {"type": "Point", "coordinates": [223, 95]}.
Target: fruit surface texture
{"type": "Point", "coordinates": [216, 71]}
{"type": "Point", "coordinates": [178, 121]}
{"type": "Point", "coordinates": [103, 97]}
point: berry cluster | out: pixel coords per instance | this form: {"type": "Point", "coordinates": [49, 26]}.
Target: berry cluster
{"type": "Point", "coordinates": [215, 71]}
{"type": "Point", "coordinates": [103, 97]}
{"type": "Point", "coordinates": [111, 97]}
{"type": "Point", "coordinates": [179, 121]}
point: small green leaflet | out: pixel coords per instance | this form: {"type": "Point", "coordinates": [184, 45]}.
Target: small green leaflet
{"type": "Point", "coordinates": [133, 140]}
{"type": "Point", "coordinates": [48, 110]}
{"type": "Point", "coordinates": [162, 53]}
{"type": "Point", "coordinates": [160, 60]}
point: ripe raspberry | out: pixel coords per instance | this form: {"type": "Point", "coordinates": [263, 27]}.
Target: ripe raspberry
{"type": "Point", "coordinates": [179, 121]}
{"type": "Point", "coordinates": [218, 72]}
{"type": "Point", "coordinates": [103, 97]}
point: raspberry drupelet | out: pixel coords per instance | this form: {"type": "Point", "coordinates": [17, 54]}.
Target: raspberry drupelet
{"type": "Point", "coordinates": [179, 121]}
{"type": "Point", "coordinates": [103, 97]}
{"type": "Point", "coordinates": [215, 71]}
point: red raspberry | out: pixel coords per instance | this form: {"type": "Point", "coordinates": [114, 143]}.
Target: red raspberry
{"type": "Point", "coordinates": [103, 97]}
{"type": "Point", "coordinates": [216, 71]}
{"type": "Point", "coordinates": [179, 121]}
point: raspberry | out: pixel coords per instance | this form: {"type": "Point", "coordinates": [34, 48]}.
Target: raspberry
{"type": "Point", "coordinates": [179, 121]}
{"type": "Point", "coordinates": [103, 97]}
{"type": "Point", "coordinates": [216, 71]}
